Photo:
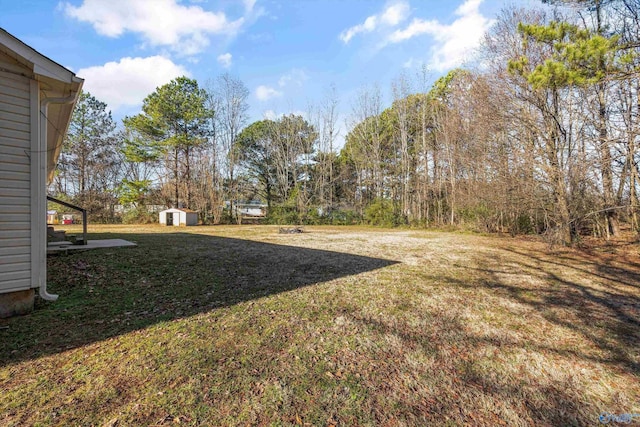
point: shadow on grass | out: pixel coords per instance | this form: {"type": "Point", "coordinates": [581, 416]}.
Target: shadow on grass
{"type": "Point", "coordinates": [572, 295]}
{"type": "Point", "coordinates": [596, 300]}
{"type": "Point", "coordinates": [554, 403]}
{"type": "Point", "coordinates": [108, 292]}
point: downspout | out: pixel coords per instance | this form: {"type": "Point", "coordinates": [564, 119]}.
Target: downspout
{"type": "Point", "coordinates": [44, 104]}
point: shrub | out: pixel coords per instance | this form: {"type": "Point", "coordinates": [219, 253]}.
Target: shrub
{"type": "Point", "coordinates": [525, 224]}
{"type": "Point", "coordinates": [381, 213]}
{"type": "Point", "coordinates": [139, 215]}
{"type": "Point", "coordinates": [343, 217]}
{"type": "Point", "coordinates": [282, 214]}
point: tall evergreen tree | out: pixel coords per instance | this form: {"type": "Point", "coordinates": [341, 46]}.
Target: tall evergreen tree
{"type": "Point", "coordinates": [89, 166]}
{"type": "Point", "coordinates": [255, 152]}
{"type": "Point", "coordinates": [89, 145]}
{"type": "Point", "coordinates": [175, 117]}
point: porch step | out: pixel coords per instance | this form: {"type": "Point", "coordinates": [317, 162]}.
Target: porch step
{"type": "Point", "coordinates": [59, 243]}
{"type": "Point", "coordinates": [55, 236]}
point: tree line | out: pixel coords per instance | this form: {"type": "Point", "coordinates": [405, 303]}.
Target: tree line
{"type": "Point", "coordinates": [539, 137]}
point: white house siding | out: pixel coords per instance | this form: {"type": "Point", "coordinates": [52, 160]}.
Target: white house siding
{"type": "Point", "coordinates": [15, 176]}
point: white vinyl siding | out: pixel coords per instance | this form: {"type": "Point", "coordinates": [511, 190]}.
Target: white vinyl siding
{"type": "Point", "coordinates": [15, 178]}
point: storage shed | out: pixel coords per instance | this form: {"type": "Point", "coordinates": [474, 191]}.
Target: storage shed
{"type": "Point", "coordinates": [176, 216]}
{"type": "Point", "coordinates": [37, 97]}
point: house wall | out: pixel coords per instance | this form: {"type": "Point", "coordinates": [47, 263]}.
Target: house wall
{"type": "Point", "coordinates": [15, 179]}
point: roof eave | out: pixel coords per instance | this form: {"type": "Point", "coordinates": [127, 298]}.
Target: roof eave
{"type": "Point", "coordinates": [42, 65]}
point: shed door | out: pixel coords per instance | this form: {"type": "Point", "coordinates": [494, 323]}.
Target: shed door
{"type": "Point", "coordinates": [169, 218]}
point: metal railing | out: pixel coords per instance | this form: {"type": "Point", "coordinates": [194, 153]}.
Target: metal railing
{"type": "Point", "coordinates": [77, 208]}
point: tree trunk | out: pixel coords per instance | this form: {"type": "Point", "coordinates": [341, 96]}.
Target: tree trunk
{"type": "Point", "coordinates": [633, 180]}
{"type": "Point", "coordinates": [554, 148]}
{"type": "Point", "coordinates": [188, 174]}
{"type": "Point", "coordinates": [176, 178]}
{"type": "Point", "coordinates": [611, 217]}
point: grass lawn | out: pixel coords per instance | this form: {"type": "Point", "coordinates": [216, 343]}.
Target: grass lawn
{"type": "Point", "coordinates": [349, 326]}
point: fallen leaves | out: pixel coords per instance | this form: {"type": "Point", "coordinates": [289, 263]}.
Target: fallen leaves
{"type": "Point", "coordinates": [219, 330]}
{"type": "Point", "coordinates": [111, 423]}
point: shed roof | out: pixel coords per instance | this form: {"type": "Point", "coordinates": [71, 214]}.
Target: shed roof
{"type": "Point", "coordinates": [57, 82]}
{"type": "Point", "coordinates": [178, 210]}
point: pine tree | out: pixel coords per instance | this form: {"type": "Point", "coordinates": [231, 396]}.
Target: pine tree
{"type": "Point", "coordinates": [175, 117]}
{"type": "Point", "coordinates": [89, 161]}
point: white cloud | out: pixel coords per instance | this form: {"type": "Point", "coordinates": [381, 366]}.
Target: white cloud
{"type": "Point", "coordinates": [468, 7]}
{"type": "Point", "coordinates": [265, 93]}
{"type": "Point", "coordinates": [395, 14]}
{"type": "Point", "coordinates": [270, 115]}
{"type": "Point", "coordinates": [127, 82]}
{"type": "Point", "coordinates": [273, 115]}
{"type": "Point", "coordinates": [453, 41]}
{"type": "Point", "coordinates": [184, 29]}
{"type": "Point", "coordinates": [416, 28]}
{"type": "Point", "coordinates": [225, 60]}
{"type": "Point", "coordinates": [391, 16]}
{"type": "Point", "coordinates": [296, 77]}
{"type": "Point", "coordinates": [368, 26]}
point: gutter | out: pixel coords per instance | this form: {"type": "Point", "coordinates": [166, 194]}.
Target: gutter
{"type": "Point", "coordinates": [44, 104]}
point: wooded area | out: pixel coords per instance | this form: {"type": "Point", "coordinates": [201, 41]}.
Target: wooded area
{"type": "Point", "coordinates": [538, 137]}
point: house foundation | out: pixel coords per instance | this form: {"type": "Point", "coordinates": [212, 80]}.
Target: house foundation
{"type": "Point", "coordinates": [16, 303]}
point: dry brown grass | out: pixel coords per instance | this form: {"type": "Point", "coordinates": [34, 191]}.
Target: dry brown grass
{"type": "Point", "coordinates": [336, 326]}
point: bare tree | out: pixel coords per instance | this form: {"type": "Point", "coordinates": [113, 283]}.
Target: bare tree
{"type": "Point", "coordinates": [325, 121]}
{"type": "Point", "coordinates": [367, 140]}
{"type": "Point", "coordinates": [401, 89]}
{"type": "Point", "coordinates": [231, 95]}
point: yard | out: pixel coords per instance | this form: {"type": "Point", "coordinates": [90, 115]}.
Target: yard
{"type": "Point", "coordinates": [337, 326]}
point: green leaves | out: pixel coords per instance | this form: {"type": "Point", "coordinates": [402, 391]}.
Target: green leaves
{"type": "Point", "coordinates": [138, 150]}
{"type": "Point", "coordinates": [89, 146]}
{"type": "Point", "coordinates": [132, 192]}
{"type": "Point", "coordinates": [442, 87]}
{"type": "Point", "coordinates": [254, 142]}
{"type": "Point", "coordinates": [174, 120]}
{"type": "Point", "coordinates": [574, 56]}
{"type": "Point", "coordinates": [174, 114]}
{"type": "Point", "coordinates": [272, 153]}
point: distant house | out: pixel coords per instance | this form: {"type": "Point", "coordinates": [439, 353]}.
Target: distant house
{"type": "Point", "coordinates": [37, 97]}
{"type": "Point", "coordinates": [252, 210]}
{"type": "Point", "coordinates": [176, 216]}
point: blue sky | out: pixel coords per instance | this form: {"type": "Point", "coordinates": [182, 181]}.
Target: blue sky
{"type": "Point", "coordinates": [287, 52]}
